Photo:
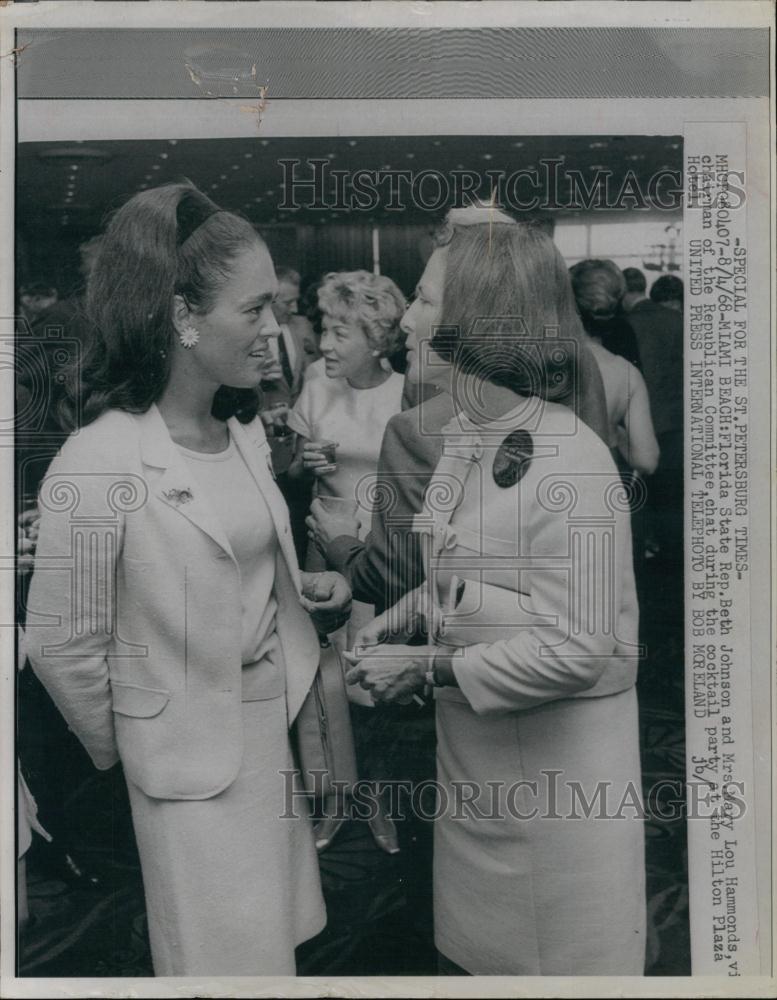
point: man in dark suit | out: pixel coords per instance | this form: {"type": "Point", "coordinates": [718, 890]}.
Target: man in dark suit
{"type": "Point", "coordinates": [658, 326]}
{"type": "Point", "coordinates": [289, 355]}
{"type": "Point", "coordinates": [636, 288]}
{"type": "Point", "coordinates": [296, 346]}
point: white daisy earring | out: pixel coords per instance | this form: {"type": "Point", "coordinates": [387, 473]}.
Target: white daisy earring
{"type": "Point", "coordinates": [189, 336]}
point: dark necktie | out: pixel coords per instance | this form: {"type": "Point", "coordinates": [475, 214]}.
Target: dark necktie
{"type": "Point", "coordinates": [283, 357]}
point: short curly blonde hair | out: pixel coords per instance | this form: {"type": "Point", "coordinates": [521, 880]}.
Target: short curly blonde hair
{"type": "Point", "coordinates": [371, 300]}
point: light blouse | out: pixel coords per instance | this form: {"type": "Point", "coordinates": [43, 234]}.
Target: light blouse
{"type": "Point", "coordinates": [236, 500]}
{"type": "Point", "coordinates": [331, 409]}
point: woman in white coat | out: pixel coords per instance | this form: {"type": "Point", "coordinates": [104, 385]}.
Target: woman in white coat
{"type": "Point", "coordinates": [167, 616]}
{"type": "Point", "coordinates": [531, 610]}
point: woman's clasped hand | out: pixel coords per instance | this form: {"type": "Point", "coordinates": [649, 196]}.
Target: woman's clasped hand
{"type": "Point", "coordinates": [395, 671]}
{"type": "Point", "coordinates": [327, 597]}
{"type": "Point", "coordinates": [391, 673]}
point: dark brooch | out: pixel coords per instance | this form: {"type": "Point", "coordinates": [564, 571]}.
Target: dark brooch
{"type": "Point", "coordinates": [513, 459]}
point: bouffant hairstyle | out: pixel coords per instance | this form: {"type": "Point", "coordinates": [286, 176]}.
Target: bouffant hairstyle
{"type": "Point", "coordinates": [508, 313]}
{"type": "Point", "coordinates": [599, 286]}
{"type": "Point", "coordinates": [170, 240]}
{"type": "Point", "coordinates": [371, 300]}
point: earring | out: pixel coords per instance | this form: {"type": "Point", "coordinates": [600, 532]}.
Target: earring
{"type": "Point", "coordinates": [189, 336]}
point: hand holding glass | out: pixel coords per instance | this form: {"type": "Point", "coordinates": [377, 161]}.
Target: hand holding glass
{"type": "Point", "coordinates": [318, 457]}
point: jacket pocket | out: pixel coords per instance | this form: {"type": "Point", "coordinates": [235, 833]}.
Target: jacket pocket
{"type": "Point", "coordinates": [138, 702]}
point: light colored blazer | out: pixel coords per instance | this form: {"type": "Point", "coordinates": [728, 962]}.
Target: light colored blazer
{"type": "Point", "coordinates": [134, 619]}
{"type": "Point", "coordinates": [547, 603]}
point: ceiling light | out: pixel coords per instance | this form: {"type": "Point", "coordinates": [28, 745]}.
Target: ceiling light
{"type": "Point", "coordinates": [163, 156]}
{"type": "Point", "coordinates": [410, 156]}
{"type": "Point", "coordinates": [173, 142]}
{"type": "Point", "coordinates": [258, 198]}
{"type": "Point", "coordinates": [222, 177]}
{"type": "Point", "coordinates": [437, 142]}
{"type": "Point", "coordinates": [247, 156]}
{"type": "Point", "coordinates": [75, 154]}
{"type": "Point", "coordinates": [597, 145]}
{"type": "Point", "coordinates": [156, 167]}
{"type": "Point", "coordinates": [518, 145]}
{"type": "Point", "coordinates": [264, 142]}
{"type": "Point", "coordinates": [235, 166]}
{"type": "Point", "coordinates": [352, 142]}
{"type": "Point", "coordinates": [487, 156]}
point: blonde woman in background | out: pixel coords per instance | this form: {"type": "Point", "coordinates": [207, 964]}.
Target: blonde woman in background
{"type": "Point", "coordinates": [353, 404]}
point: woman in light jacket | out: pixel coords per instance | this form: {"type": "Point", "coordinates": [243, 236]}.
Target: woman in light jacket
{"type": "Point", "coordinates": [530, 606]}
{"type": "Point", "coordinates": [166, 613]}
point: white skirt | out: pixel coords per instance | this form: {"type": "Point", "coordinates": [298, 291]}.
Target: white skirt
{"type": "Point", "coordinates": [231, 886]}
{"type": "Point", "coordinates": [552, 893]}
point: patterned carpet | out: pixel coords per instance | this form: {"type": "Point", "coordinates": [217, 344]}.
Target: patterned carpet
{"type": "Point", "coordinates": [379, 906]}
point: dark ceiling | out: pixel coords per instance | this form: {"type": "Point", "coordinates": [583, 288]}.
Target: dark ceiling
{"type": "Point", "coordinates": [65, 190]}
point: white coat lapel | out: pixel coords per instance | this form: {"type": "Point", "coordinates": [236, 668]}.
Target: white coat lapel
{"type": "Point", "coordinates": [176, 486]}
{"type": "Point", "coordinates": [252, 445]}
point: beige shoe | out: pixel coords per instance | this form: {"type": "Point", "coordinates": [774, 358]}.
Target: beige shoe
{"type": "Point", "coordinates": [384, 832]}
{"type": "Point", "coordinates": [326, 830]}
